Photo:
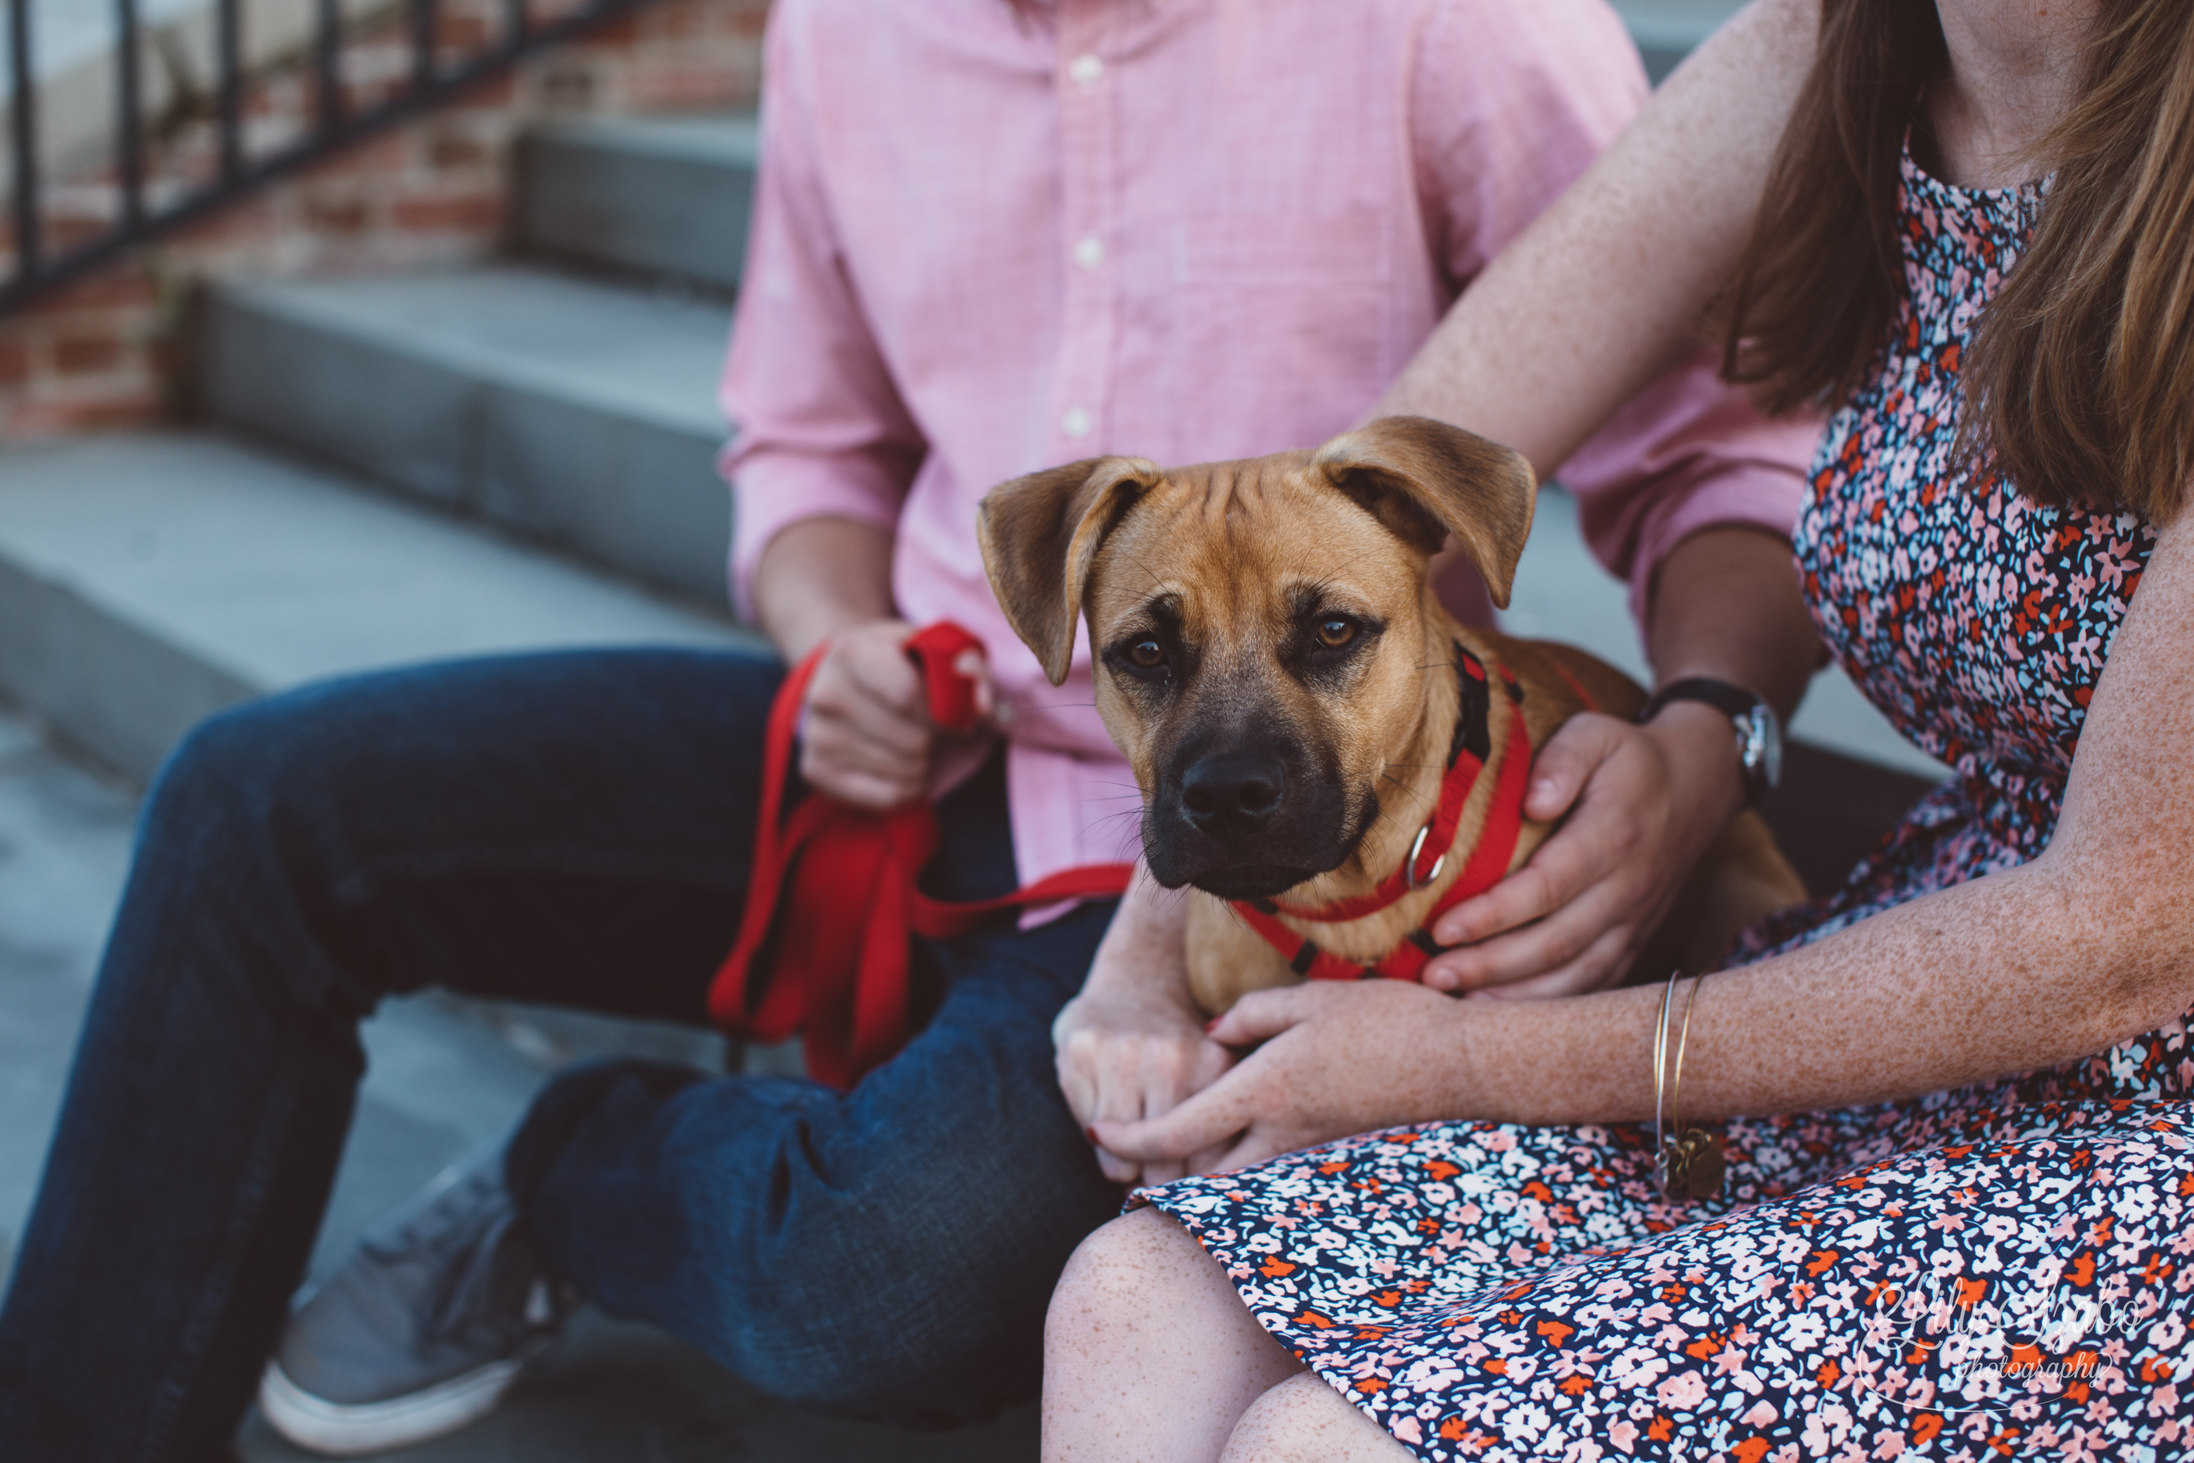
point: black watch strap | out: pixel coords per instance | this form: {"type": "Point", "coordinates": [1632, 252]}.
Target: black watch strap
{"type": "Point", "coordinates": [1759, 734]}
{"type": "Point", "coordinates": [1730, 700]}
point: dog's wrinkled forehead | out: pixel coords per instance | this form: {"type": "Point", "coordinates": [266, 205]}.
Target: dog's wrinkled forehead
{"type": "Point", "coordinates": [1237, 550]}
{"type": "Point", "coordinates": [1275, 521]}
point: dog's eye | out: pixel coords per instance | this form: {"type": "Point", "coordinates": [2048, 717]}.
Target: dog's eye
{"type": "Point", "coordinates": [1148, 654]}
{"type": "Point", "coordinates": [1336, 632]}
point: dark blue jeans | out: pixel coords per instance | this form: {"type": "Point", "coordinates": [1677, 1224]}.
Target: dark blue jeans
{"type": "Point", "coordinates": [572, 828]}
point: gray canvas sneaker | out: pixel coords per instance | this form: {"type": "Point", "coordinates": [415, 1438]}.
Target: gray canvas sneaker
{"type": "Point", "coordinates": [422, 1330]}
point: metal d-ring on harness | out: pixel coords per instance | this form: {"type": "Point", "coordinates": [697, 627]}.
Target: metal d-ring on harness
{"type": "Point", "coordinates": [1416, 849]}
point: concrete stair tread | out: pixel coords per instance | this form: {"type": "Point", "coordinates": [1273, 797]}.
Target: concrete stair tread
{"type": "Point", "coordinates": [1675, 23]}
{"type": "Point", "coordinates": [650, 357]}
{"type": "Point", "coordinates": [149, 580]}
{"type": "Point", "coordinates": [1666, 30]}
{"type": "Point", "coordinates": [1562, 593]}
{"type": "Point", "coordinates": [663, 196]}
{"type": "Point", "coordinates": [577, 411]}
{"type": "Point", "coordinates": [732, 138]}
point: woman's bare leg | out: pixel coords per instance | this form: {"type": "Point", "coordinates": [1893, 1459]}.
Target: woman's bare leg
{"type": "Point", "coordinates": [1149, 1355]}
{"type": "Point", "coordinates": [1303, 1420]}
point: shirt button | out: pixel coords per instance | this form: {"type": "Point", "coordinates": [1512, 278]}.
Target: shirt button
{"type": "Point", "coordinates": [1077, 422]}
{"type": "Point", "coordinates": [1090, 252]}
{"type": "Point", "coordinates": [1086, 69]}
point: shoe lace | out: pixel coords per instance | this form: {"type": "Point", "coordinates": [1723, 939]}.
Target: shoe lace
{"type": "Point", "coordinates": [475, 1290]}
{"type": "Point", "coordinates": [476, 1264]}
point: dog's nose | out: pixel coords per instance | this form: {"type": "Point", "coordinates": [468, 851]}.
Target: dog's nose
{"type": "Point", "coordinates": [1234, 789]}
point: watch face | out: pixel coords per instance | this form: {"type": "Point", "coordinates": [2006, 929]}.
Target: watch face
{"type": "Point", "coordinates": [1760, 748]}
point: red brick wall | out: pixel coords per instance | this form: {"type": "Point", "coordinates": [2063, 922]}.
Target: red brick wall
{"type": "Point", "coordinates": [106, 352]}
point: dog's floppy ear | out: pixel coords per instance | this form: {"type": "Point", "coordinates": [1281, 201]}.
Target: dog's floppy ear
{"type": "Point", "coordinates": [1040, 536]}
{"type": "Point", "coordinates": [1425, 479]}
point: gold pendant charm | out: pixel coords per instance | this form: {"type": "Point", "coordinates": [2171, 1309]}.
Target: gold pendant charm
{"type": "Point", "coordinates": [1690, 1167]}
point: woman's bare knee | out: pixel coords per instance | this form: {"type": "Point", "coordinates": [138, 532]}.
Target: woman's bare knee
{"type": "Point", "coordinates": [1303, 1420]}
{"type": "Point", "coordinates": [1114, 1274]}
{"type": "Point", "coordinates": [1148, 1351]}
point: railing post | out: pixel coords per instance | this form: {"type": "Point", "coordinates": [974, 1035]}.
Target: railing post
{"type": "Point", "coordinates": [423, 28]}
{"type": "Point", "coordinates": [230, 81]}
{"type": "Point", "coordinates": [24, 140]}
{"type": "Point", "coordinates": [129, 146]}
{"type": "Point", "coordinates": [145, 213]}
{"type": "Point", "coordinates": [327, 60]}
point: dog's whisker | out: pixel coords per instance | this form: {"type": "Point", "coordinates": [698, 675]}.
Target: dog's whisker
{"type": "Point", "coordinates": [1421, 796]}
{"type": "Point", "coordinates": [1425, 806]}
{"type": "Point", "coordinates": [1096, 829]}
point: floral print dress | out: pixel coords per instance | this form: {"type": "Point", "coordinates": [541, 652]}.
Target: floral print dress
{"type": "Point", "coordinates": [2002, 1271]}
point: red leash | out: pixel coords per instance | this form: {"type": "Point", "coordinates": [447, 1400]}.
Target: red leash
{"type": "Point", "coordinates": [832, 901]}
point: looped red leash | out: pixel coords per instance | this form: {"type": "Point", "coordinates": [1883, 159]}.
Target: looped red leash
{"type": "Point", "coordinates": [832, 900]}
{"type": "Point", "coordinates": [1489, 857]}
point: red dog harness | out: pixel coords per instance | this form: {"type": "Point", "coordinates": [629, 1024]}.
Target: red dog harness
{"type": "Point", "coordinates": [833, 899]}
{"type": "Point", "coordinates": [1467, 754]}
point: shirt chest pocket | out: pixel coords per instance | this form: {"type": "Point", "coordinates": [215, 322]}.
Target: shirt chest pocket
{"type": "Point", "coordinates": [1283, 318]}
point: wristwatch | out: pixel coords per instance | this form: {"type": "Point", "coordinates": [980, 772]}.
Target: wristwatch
{"type": "Point", "coordinates": [1759, 733]}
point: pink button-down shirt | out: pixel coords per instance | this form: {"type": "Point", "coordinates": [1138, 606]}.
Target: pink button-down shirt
{"type": "Point", "coordinates": [987, 240]}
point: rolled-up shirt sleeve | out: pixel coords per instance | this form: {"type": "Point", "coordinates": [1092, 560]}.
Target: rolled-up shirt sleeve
{"type": "Point", "coordinates": [819, 429]}
{"type": "Point", "coordinates": [1690, 451]}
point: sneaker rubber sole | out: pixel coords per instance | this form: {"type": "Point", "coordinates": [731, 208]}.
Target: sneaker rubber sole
{"type": "Point", "coordinates": [340, 1430]}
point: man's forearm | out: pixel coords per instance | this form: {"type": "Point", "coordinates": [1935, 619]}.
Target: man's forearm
{"type": "Point", "coordinates": [819, 576]}
{"type": "Point", "coordinates": [1727, 604]}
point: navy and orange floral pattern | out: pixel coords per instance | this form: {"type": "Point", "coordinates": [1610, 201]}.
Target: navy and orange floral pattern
{"type": "Point", "coordinates": [2005, 1271]}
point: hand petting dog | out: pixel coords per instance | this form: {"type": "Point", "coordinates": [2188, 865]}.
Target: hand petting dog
{"type": "Point", "coordinates": [1639, 806]}
{"type": "Point", "coordinates": [1322, 1063]}
{"type": "Point", "coordinates": [1641, 800]}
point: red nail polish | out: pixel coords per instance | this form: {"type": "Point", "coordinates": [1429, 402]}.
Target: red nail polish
{"type": "Point", "coordinates": [1090, 1133]}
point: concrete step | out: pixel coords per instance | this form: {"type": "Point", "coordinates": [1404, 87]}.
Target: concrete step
{"type": "Point", "coordinates": [1562, 593]}
{"type": "Point", "coordinates": [665, 197]}
{"type": "Point", "coordinates": [148, 581]}
{"type": "Point", "coordinates": [1667, 30]}
{"type": "Point", "coordinates": [574, 410]}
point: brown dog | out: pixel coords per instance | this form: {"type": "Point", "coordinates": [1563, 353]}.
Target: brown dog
{"type": "Point", "coordinates": [1295, 701]}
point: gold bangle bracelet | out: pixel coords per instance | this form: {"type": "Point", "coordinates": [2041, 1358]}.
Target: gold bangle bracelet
{"type": "Point", "coordinates": [1690, 1166]}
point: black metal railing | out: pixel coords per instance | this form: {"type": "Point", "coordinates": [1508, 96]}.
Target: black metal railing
{"type": "Point", "coordinates": [433, 79]}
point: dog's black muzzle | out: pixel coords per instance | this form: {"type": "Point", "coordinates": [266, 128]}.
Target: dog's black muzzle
{"type": "Point", "coordinates": [1245, 819]}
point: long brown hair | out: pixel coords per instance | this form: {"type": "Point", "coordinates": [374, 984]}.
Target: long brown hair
{"type": "Point", "coordinates": [2080, 380]}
